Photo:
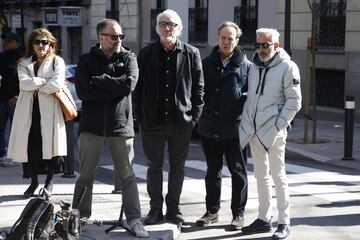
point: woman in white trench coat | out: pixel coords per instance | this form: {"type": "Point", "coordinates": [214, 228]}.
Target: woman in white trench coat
{"type": "Point", "coordinates": [38, 135]}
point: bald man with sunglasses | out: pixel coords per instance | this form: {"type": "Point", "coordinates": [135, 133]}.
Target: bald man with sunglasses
{"type": "Point", "coordinates": [274, 97]}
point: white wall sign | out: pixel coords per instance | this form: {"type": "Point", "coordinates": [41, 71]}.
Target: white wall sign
{"type": "Point", "coordinates": [16, 20]}
{"type": "Point", "coordinates": [50, 17]}
{"type": "Point", "coordinates": [70, 17]}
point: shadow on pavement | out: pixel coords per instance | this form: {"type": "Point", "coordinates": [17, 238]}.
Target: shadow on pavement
{"type": "Point", "coordinates": [336, 220]}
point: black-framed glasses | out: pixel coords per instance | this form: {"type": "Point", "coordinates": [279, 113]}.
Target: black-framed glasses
{"type": "Point", "coordinates": [168, 24]}
{"type": "Point", "coordinates": [263, 45]}
{"type": "Point", "coordinates": [42, 42]}
{"type": "Point", "coordinates": [114, 37]}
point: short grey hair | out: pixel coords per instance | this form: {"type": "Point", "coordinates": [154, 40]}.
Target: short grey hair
{"type": "Point", "coordinates": [273, 33]}
{"type": "Point", "coordinates": [230, 24]}
{"type": "Point", "coordinates": [174, 15]}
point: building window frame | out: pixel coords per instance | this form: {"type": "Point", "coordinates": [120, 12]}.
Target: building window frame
{"type": "Point", "coordinates": [246, 16]}
{"type": "Point", "coordinates": [330, 25]}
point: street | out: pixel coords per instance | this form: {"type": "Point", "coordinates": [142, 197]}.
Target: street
{"type": "Point", "coordinates": [325, 200]}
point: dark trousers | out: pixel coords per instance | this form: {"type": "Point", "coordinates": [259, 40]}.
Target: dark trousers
{"type": "Point", "coordinates": [236, 161]}
{"type": "Point", "coordinates": [178, 141]}
{"type": "Point", "coordinates": [6, 113]}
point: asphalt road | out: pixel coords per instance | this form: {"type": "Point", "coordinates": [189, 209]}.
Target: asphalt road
{"type": "Point", "coordinates": [325, 200]}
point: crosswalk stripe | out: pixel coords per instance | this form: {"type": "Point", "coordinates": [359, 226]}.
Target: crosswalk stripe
{"type": "Point", "coordinates": [298, 182]}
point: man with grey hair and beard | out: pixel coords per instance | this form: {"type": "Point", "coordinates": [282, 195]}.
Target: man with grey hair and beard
{"type": "Point", "coordinates": [105, 78]}
{"type": "Point", "coordinates": [273, 99]}
{"type": "Point", "coordinates": [168, 102]}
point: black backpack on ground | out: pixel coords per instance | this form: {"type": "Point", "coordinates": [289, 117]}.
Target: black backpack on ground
{"type": "Point", "coordinates": [33, 223]}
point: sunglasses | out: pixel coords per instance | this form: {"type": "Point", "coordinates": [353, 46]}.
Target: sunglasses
{"type": "Point", "coordinates": [263, 45]}
{"type": "Point", "coordinates": [114, 37]}
{"type": "Point", "coordinates": [42, 42]}
{"type": "Point", "coordinates": [167, 24]}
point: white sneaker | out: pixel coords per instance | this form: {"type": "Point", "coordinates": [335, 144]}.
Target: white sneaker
{"type": "Point", "coordinates": [137, 227]}
{"type": "Point", "coordinates": [5, 162]}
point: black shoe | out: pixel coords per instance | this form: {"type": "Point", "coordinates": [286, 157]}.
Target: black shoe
{"type": "Point", "coordinates": [282, 231]}
{"type": "Point", "coordinates": [116, 191]}
{"type": "Point", "coordinates": [154, 216]}
{"type": "Point", "coordinates": [207, 219]}
{"type": "Point", "coordinates": [258, 226]}
{"type": "Point", "coordinates": [175, 217]}
{"type": "Point", "coordinates": [31, 189]}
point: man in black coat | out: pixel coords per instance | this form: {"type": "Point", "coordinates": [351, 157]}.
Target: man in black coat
{"type": "Point", "coordinates": [9, 88]}
{"type": "Point", "coordinates": [105, 78]}
{"type": "Point", "coordinates": [168, 103]}
{"type": "Point", "coordinates": [225, 73]}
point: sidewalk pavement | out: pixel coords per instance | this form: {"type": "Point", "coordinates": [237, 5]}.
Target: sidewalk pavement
{"type": "Point", "coordinates": [329, 149]}
{"type": "Point", "coordinates": [329, 145]}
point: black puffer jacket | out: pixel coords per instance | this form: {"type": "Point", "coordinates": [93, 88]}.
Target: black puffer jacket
{"type": "Point", "coordinates": [224, 94]}
{"type": "Point", "coordinates": [104, 85]}
{"type": "Point", "coordinates": [8, 70]}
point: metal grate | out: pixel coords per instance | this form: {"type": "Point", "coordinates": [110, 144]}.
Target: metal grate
{"type": "Point", "coordinates": [198, 25]}
{"type": "Point", "coordinates": [154, 13]}
{"type": "Point", "coordinates": [330, 88]}
{"type": "Point", "coordinates": [331, 18]}
{"type": "Point", "coordinates": [247, 19]}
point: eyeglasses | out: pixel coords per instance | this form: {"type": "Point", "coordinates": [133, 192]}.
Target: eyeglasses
{"type": "Point", "coordinates": [263, 45]}
{"type": "Point", "coordinates": [42, 42]}
{"type": "Point", "coordinates": [171, 25]}
{"type": "Point", "coordinates": [114, 37]}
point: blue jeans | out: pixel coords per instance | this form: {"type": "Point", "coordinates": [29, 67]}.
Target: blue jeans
{"type": "Point", "coordinates": [6, 113]}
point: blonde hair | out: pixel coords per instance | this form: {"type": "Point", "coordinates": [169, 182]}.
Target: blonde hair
{"type": "Point", "coordinates": [43, 32]}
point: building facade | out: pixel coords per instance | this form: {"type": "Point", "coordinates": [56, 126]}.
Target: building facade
{"type": "Point", "coordinates": [336, 51]}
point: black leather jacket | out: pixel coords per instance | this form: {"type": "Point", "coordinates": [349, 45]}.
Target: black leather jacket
{"type": "Point", "coordinates": [224, 94]}
{"type": "Point", "coordinates": [189, 84]}
{"type": "Point", "coordinates": [104, 85]}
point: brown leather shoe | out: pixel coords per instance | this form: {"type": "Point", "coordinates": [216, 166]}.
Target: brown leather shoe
{"type": "Point", "coordinates": [207, 219]}
{"type": "Point", "coordinates": [237, 223]}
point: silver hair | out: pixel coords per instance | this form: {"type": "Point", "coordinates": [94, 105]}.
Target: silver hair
{"type": "Point", "coordinates": [273, 33]}
{"type": "Point", "coordinates": [176, 18]}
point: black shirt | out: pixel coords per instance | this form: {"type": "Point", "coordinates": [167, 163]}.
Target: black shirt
{"type": "Point", "coordinates": [167, 84]}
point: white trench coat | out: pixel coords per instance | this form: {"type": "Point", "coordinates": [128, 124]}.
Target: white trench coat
{"type": "Point", "coordinates": [50, 78]}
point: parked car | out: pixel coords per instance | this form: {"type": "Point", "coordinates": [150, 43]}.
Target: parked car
{"type": "Point", "coordinates": [70, 77]}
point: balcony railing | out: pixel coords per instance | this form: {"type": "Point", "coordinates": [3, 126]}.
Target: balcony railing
{"type": "Point", "coordinates": [154, 13]}
{"type": "Point", "coordinates": [331, 19]}
{"type": "Point", "coordinates": [198, 25]}
{"type": "Point", "coordinates": [247, 18]}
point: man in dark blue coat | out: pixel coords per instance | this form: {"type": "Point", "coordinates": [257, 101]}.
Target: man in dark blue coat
{"type": "Point", "coordinates": [225, 73]}
{"type": "Point", "coordinates": [168, 103]}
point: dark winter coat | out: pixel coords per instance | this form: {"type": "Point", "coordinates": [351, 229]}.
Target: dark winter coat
{"type": "Point", "coordinates": [8, 71]}
{"type": "Point", "coordinates": [224, 94]}
{"type": "Point", "coordinates": [189, 85]}
{"type": "Point", "coordinates": [104, 85]}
